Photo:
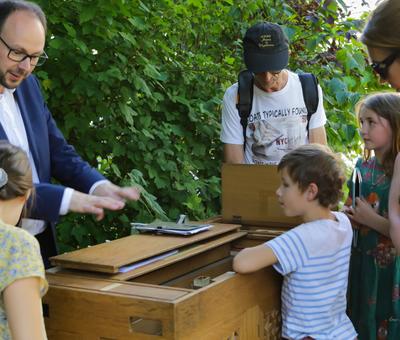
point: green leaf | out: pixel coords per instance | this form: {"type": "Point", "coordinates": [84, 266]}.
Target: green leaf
{"type": "Point", "coordinates": [141, 85]}
{"type": "Point", "coordinates": [79, 232]}
{"type": "Point", "coordinates": [115, 169]}
{"type": "Point", "coordinates": [86, 15]}
{"type": "Point", "coordinates": [152, 72]}
{"type": "Point", "coordinates": [71, 31]}
{"type": "Point", "coordinates": [129, 37]}
{"type": "Point", "coordinates": [147, 134]}
{"type": "Point", "coordinates": [138, 23]}
{"type": "Point", "coordinates": [55, 43]}
{"type": "Point", "coordinates": [46, 84]}
{"type": "Point", "coordinates": [311, 44]}
{"type": "Point", "coordinates": [144, 7]}
{"type": "Point", "coordinates": [128, 112]}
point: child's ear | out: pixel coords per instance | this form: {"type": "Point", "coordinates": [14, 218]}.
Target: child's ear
{"type": "Point", "coordinates": [312, 191]}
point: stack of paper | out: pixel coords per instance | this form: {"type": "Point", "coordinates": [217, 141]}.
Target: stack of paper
{"type": "Point", "coordinates": [139, 264]}
{"type": "Point", "coordinates": [163, 227]}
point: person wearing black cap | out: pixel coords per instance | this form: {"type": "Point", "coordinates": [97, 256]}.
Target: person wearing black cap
{"type": "Point", "coordinates": [278, 119]}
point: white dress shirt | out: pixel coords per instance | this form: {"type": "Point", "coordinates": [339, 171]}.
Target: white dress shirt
{"type": "Point", "coordinates": [13, 125]}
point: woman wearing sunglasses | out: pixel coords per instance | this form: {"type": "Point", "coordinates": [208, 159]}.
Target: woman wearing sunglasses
{"type": "Point", "coordinates": [381, 35]}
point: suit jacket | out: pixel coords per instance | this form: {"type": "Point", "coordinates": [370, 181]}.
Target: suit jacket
{"type": "Point", "coordinates": [53, 156]}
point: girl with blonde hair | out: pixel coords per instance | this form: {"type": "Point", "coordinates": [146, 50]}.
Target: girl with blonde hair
{"type": "Point", "coordinates": [374, 304]}
{"type": "Point", "coordinates": [22, 279]}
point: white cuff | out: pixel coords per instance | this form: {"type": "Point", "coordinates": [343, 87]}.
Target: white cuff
{"type": "Point", "coordinates": [96, 184]}
{"type": "Point", "coordinates": [66, 201]}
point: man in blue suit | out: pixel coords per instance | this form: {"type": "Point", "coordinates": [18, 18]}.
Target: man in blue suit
{"type": "Point", "coordinates": [26, 121]}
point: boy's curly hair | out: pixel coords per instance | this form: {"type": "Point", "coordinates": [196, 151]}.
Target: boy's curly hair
{"type": "Point", "coordinates": [315, 163]}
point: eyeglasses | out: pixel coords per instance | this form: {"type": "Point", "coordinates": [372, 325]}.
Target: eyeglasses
{"type": "Point", "coordinates": [382, 67]}
{"type": "Point", "coordinates": [18, 56]}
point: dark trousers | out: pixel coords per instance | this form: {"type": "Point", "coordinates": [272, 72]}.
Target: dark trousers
{"type": "Point", "coordinates": [48, 247]}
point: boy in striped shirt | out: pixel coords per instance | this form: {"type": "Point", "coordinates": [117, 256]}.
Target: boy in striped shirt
{"type": "Point", "coordinates": [314, 256]}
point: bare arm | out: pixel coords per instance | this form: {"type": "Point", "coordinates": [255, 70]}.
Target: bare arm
{"type": "Point", "coordinates": [394, 204]}
{"type": "Point", "coordinates": [233, 153]}
{"type": "Point", "coordinates": [252, 259]}
{"type": "Point", "coordinates": [318, 135]}
{"type": "Point", "coordinates": [23, 306]}
{"type": "Point", "coordinates": [363, 213]}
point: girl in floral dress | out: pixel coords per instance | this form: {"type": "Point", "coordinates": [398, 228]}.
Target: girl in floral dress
{"type": "Point", "coordinates": [374, 305]}
{"type": "Point", "coordinates": [22, 280]}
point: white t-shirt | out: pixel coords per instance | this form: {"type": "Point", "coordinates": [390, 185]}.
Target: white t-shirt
{"type": "Point", "coordinates": [277, 122]}
{"type": "Point", "coordinates": [314, 258]}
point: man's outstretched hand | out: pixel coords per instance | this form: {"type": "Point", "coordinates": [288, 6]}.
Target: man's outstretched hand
{"type": "Point", "coordinates": [116, 192]}
{"type": "Point", "coordinates": [106, 196]}
{"type": "Point", "coordinates": [90, 204]}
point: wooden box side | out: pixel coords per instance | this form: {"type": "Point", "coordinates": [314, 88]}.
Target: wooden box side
{"type": "Point", "coordinates": [93, 284]}
{"type": "Point", "coordinates": [88, 314]}
{"type": "Point", "coordinates": [239, 305]}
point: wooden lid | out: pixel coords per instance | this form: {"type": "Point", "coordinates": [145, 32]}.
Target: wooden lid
{"type": "Point", "coordinates": [109, 257]}
{"type": "Point", "coordinates": [249, 196]}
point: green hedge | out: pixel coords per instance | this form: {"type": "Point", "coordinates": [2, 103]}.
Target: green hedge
{"type": "Point", "coordinates": [136, 87]}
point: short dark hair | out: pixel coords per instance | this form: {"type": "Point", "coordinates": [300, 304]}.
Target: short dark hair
{"type": "Point", "coordinates": [315, 163]}
{"type": "Point", "coordinates": [7, 7]}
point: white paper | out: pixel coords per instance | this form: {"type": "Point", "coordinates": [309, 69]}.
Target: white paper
{"type": "Point", "coordinates": [139, 264]}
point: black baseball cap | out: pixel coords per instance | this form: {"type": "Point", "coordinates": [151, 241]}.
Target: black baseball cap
{"type": "Point", "coordinates": [266, 48]}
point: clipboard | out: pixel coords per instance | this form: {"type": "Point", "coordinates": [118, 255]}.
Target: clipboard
{"type": "Point", "coordinates": [356, 184]}
{"type": "Point", "coordinates": [162, 227]}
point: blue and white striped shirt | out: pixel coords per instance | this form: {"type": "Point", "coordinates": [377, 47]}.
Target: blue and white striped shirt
{"type": "Point", "coordinates": [314, 258]}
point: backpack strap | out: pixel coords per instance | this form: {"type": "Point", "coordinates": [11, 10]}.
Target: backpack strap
{"type": "Point", "coordinates": [309, 85]}
{"type": "Point", "coordinates": [244, 99]}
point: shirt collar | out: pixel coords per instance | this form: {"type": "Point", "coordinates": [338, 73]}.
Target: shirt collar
{"type": "Point", "coordinates": [7, 91]}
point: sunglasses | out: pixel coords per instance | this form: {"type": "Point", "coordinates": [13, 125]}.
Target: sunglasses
{"type": "Point", "coordinates": [382, 67]}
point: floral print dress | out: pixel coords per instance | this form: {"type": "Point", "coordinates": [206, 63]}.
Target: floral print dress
{"type": "Point", "coordinates": [19, 258]}
{"type": "Point", "coordinates": [374, 305]}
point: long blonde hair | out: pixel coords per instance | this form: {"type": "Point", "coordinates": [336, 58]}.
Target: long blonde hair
{"type": "Point", "coordinates": [387, 106]}
{"type": "Point", "coordinates": [382, 29]}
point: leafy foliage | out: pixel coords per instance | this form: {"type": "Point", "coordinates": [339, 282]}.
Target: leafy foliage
{"type": "Point", "coordinates": [136, 87]}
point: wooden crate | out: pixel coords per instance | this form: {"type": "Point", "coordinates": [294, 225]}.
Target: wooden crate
{"type": "Point", "coordinates": [158, 301]}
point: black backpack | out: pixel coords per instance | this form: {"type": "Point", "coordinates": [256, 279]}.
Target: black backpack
{"type": "Point", "coordinates": [309, 85]}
